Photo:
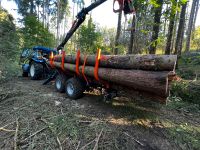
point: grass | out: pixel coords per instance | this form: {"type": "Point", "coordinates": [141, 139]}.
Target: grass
{"type": "Point", "coordinates": [185, 135]}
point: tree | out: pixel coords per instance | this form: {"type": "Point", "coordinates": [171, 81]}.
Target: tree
{"type": "Point", "coordinates": [171, 27]}
{"type": "Point", "coordinates": [118, 33]}
{"type": "Point", "coordinates": [180, 32]}
{"type": "Point", "coordinates": [190, 25]}
{"type": "Point", "coordinates": [196, 40]}
{"type": "Point", "coordinates": [130, 48]}
{"type": "Point", "coordinates": [9, 39]}
{"type": "Point", "coordinates": [61, 6]}
{"type": "Point", "coordinates": [196, 13]}
{"type": "Point", "coordinates": [35, 34]}
{"type": "Point", "coordinates": [156, 25]}
{"type": "Point", "coordinates": [9, 45]}
{"type": "Point", "coordinates": [89, 39]}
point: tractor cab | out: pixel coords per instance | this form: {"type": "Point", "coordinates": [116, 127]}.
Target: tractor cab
{"type": "Point", "coordinates": [34, 61]}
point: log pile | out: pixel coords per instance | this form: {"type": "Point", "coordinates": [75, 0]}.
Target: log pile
{"type": "Point", "coordinates": [146, 73]}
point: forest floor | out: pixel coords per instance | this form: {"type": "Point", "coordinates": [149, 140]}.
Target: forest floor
{"type": "Point", "coordinates": [33, 116]}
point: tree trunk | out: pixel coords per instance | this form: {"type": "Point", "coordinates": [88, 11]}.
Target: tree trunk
{"type": "Point", "coordinates": [179, 38]}
{"type": "Point", "coordinates": [170, 30]}
{"type": "Point", "coordinates": [148, 81]}
{"type": "Point", "coordinates": [174, 31]}
{"type": "Point", "coordinates": [154, 38]}
{"type": "Point", "coordinates": [58, 22]}
{"type": "Point", "coordinates": [32, 7]}
{"type": "Point", "coordinates": [195, 17]}
{"type": "Point", "coordinates": [143, 62]}
{"type": "Point", "coordinates": [165, 22]}
{"type": "Point", "coordinates": [47, 16]}
{"type": "Point", "coordinates": [118, 33]}
{"type": "Point", "coordinates": [43, 11]}
{"type": "Point", "coordinates": [190, 25]}
{"type": "Point", "coordinates": [130, 48]}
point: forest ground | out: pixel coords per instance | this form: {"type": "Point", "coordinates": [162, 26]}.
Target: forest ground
{"type": "Point", "coordinates": [33, 116]}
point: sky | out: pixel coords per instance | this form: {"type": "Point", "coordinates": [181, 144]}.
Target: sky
{"type": "Point", "coordinates": [103, 15]}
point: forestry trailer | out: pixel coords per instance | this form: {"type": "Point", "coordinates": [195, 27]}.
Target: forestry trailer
{"type": "Point", "coordinates": [126, 75]}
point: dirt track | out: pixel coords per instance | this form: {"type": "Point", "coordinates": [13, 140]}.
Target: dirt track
{"type": "Point", "coordinates": [49, 120]}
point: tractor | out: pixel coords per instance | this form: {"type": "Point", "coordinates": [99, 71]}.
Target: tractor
{"type": "Point", "coordinates": [34, 62]}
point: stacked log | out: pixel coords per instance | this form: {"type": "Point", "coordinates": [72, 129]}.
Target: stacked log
{"type": "Point", "coordinates": [143, 62]}
{"type": "Point", "coordinates": [147, 73]}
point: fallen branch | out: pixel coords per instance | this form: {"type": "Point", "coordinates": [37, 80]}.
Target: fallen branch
{"type": "Point", "coordinates": [3, 98]}
{"type": "Point", "coordinates": [57, 139]}
{"type": "Point", "coordinates": [97, 140]}
{"type": "Point", "coordinates": [83, 121]}
{"type": "Point", "coordinates": [78, 145]}
{"type": "Point", "coordinates": [96, 144]}
{"type": "Point", "coordinates": [33, 134]}
{"type": "Point", "coordinates": [16, 134]}
{"type": "Point", "coordinates": [87, 144]}
{"type": "Point", "coordinates": [59, 143]}
{"type": "Point", "coordinates": [7, 130]}
{"type": "Point", "coordinates": [134, 139]}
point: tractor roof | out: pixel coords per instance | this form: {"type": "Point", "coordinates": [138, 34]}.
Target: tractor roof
{"type": "Point", "coordinates": [44, 49]}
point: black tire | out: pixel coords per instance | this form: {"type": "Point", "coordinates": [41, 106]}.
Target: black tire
{"type": "Point", "coordinates": [25, 74]}
{"type": "Point", "coordinates": [74, 88]}
{"type": "Point", "coordinates": [36, 71]}
{"type": "Point", "coordinates": [60, 83]}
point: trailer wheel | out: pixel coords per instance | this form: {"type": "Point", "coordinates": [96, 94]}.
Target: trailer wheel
{"type": "Point", "coordinates": [60, 83]}
{"type": "Point", "coordinates": [36, 71]}
{"type": "Point", "coordinates": [74, 88]}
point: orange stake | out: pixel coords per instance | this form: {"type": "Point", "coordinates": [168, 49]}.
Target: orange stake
{"type": "Point", "coordinates": [83, 69]}
{"type": "Point", "coordinates": [63, 60]}
{"type": "Point", "coordinates": [78, 61]}
{"type": "Point", "coordinates": [98, 56]}
{"type": "Point", "coordinates": [52, 60]}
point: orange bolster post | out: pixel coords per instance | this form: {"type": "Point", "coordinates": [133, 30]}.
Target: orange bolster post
{"type": "Point", "coordinates": [98, 56]}
{"type": "Point", "coordinates": [83, 69]}
{"type": "Point", "coordinates": [52, 60]}
{"type": "Point", "coordinates": [63, 60]}
{"type": "Point", "coordinates": [78, 61]}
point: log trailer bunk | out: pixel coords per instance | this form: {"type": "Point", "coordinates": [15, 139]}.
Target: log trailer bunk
{"type": "Point", "coordinates": [71, 78]}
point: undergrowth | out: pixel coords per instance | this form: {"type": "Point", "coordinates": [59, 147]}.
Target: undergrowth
{"type": "Point", "coordinates": [8, 69]}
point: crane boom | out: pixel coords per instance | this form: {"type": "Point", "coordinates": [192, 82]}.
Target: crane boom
{"type": "Point", "coordinates": [80, 18]}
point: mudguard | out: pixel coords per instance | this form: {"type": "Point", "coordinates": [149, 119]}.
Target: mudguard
{"type": "Point", "coordinates": [25, 67]}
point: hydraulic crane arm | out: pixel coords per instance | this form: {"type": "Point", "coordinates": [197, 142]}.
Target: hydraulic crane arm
{"type": "Point", "coordinates": [80, 18]}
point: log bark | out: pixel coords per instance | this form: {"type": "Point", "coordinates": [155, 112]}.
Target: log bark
{"type": "Point", "coordinates": [142, 62]}
{"type": "Point", "coordinates": [147, 81]}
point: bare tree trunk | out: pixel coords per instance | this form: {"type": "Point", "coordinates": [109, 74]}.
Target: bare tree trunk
{"type": "Point", "coordinates": [157, 16]}
{"type": "Point", "coordinates": [130, 48]}
{"type": "Point", "coordinates": [175, 30]}
{"type": "Point", "coordinates": [38, 12]}
{"type": "Point", "coordinates": [170, 30]}
{"type": "Point", "coordinates": [116, 50]}
{"type": "Point", "coordinates": [179, 37]}
{"type": "Point", "coordinates": [32, 7]}
{"type": "Point", "coordinates": [190, 25]}
{"type": "Point", "coordinates": [47, 14]}
{"type": "Point", "coordinates": [195, 17]}
{"type": "Point", "coordinates": [58, 21]}
{"type": "Point", "coordinates": [165, 22]}
{"type": "Point", "coordinates": [44, 15]}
